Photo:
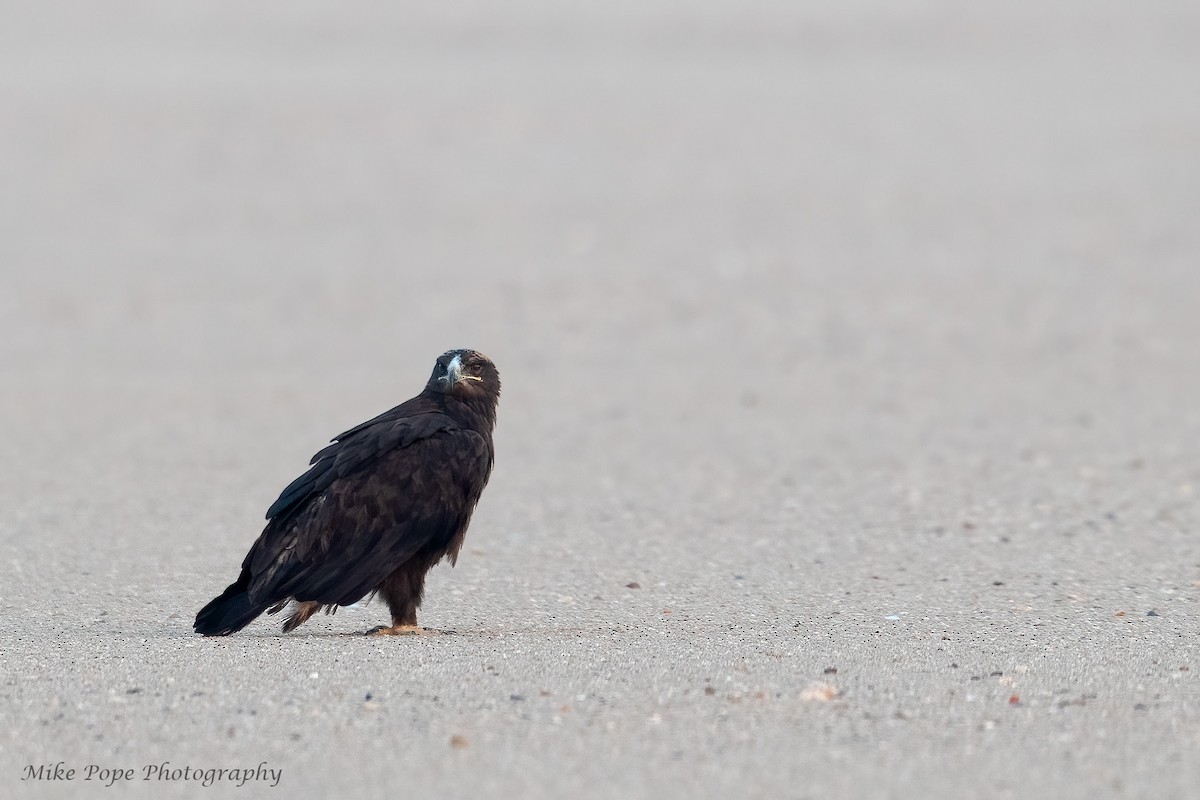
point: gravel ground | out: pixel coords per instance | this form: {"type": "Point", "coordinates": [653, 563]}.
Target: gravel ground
{"type": "Point", "coordinates": [849, 438]}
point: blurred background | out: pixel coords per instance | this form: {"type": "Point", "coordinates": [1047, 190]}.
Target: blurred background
{"type": "Point", "coordinates": [709, 247]}
{"type": "Point", "coordinates": [805, 292]}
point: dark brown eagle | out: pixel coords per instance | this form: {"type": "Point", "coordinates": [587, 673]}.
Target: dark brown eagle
{"type": "Point", "coordinates": [379, 506]}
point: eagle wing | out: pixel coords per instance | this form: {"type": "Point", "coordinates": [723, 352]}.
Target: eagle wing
{"type": "Point", "coordinates": [354, 448]}
{"type": "Point", "coordinates": [379, 495]}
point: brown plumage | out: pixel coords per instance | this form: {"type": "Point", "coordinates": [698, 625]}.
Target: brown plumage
{"type": "Point", "coordinates": [379, 506]}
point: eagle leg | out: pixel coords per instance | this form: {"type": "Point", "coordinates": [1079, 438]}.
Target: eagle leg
{"type": "Point", "coordinates": [402, 591]}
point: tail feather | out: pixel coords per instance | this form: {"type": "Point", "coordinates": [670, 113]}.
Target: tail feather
{"type": "Point", "coordinates": [228, 613]}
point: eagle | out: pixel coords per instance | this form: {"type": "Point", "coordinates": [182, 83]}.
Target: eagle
{"type": "Point", "coordinates": [378, 507]}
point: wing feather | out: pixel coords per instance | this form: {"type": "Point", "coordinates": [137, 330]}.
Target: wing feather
{"type": "Point", "coordinates": [363, 524]}
{"type": "Point", "coordinates": [352, 450]}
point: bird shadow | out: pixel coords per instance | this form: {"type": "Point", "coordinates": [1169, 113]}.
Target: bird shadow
{"type": "Point", "coordinates": [440, 633]}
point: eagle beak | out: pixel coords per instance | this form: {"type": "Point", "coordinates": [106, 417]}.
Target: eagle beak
{"type": "Point", "coordinates": [453, 372]}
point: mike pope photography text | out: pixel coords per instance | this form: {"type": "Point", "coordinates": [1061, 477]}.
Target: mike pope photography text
{"type": "Point", "coordinates": [111, 776]}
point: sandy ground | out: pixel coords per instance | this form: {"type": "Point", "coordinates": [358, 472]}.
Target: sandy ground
{"type": "Point", "coordinates": [860, 338]}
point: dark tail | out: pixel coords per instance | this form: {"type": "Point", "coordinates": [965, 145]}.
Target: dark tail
{"type": "Point", "coordinates": [228, 613]}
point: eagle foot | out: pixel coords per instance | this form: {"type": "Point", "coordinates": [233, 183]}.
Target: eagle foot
{"type": "Point", "coordinates": [401, 630]}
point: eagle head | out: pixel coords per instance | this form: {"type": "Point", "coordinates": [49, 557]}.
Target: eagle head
{"type": "Point", "coordinates": [465, 373]}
